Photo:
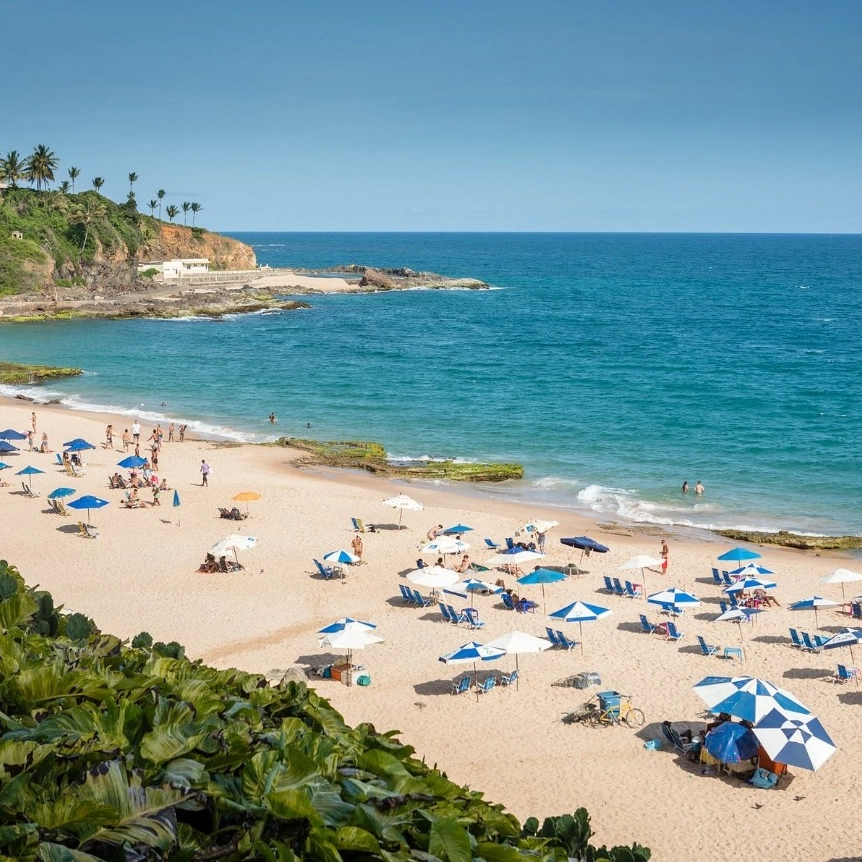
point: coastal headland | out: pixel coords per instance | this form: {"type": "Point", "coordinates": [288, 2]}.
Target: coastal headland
{"type": "Point", "coordinates": [141, 575]}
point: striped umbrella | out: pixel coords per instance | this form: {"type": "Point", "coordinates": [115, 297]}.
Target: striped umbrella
{"type": "Point", "coordinates": [794, 739]}
{"type": "Point", "coordinates": [580, 613]}
{"type": "Point", "coordinates": [747, 697]}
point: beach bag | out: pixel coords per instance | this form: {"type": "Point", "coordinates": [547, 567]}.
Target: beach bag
{"type": "Point", "coordinates": [364, 679]}
{"type": "Point", "coordinates": [652, 744]}
{"type": "Point", "coordinates": [763, 778]}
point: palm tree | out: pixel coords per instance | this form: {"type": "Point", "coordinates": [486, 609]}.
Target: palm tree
{"type": "Point", "coordinates": [186, 207]}
{"type": "Point", "coordinates": [74, 173]}
{"type": "Point", "coordinates": [195, 208]}
{"type": "Point", "coordinates": [86, 213]}
{"type": "Point", "coordinates": [41, 165]}
{"type": "Point", "coordinates": [172, 212]}
{"type": "Point", "coordinates": [152, 205]}
{"type": "Point", "coordinates": [64, 187]}
{"type": "Point", "coordinates": [133, 178]}
{"type": "Point", "coordinates": [13, 169]}
{"type": "Point", "coordinates": [160, 194]}
{"type": "Point", "coordinates": [98, 183]}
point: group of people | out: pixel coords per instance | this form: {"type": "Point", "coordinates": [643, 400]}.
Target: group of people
{"type": "Point", "coordinates": [698, 487]}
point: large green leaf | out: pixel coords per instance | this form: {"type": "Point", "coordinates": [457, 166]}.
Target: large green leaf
{"type": "Point", "coordinates": [351, 838]}
{"type": "Point", "coordinates": [17, 610]}
{"type": "Point", "coordinates": [67, 812]}
{"type": "Point", "coordinates": [184, 773]}
{"type": "Point", "coordinates": [168, 742]}
{"type": "Point", "coordinates": [58, 853]}
{"type": "Point", "coordinates": [448, 840]}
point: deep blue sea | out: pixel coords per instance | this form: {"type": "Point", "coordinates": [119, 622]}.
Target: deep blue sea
{"type": "Point", "coordinates": [613, 366]}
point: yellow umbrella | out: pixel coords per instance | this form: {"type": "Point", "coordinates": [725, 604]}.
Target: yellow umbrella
{"type": "Point", "coordinates": [245, 496]}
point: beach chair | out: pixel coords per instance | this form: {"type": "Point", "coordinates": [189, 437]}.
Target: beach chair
{"type": "Point", "coordinates": [419, 599]}
{"type": "Point", "coordinates": [564, 642]}
{"type": "Point", "coordinates": [819, 640]}
{"type": "Point", "coordinates": [609, 585]}
{"type": "Point", "coordinates": [856, 610]}
{"type": "Point", "coordinates": [85, 531]}
{"type": "Point", "coordinates": [707, 649]}
{"type": "Point", "coordinates": [461, 685]}
{"type": "Point", "coordinates": [728, 580]}
{"type": "Point", "coordinates": [59, 458]}
{"type": "Point", "coordinates": [458, 617]}
{"type": "Point", "coordinates": [619, 589]}
{"type": "Point", "coordinates": [29, 491]}
{"type": "Point", "coordinates": [672, 633]}
{"type": "Point", "coordinates": [445, 611]}
{"type": "Point", "coordinates": [472, 618]}
{"type": "Point", "coordinates": [795, 640]}
{"type": "Point", "coordinates": [508, 602]}
{"type": "Point", "coordinates": [358, 526]}
{"type": "Point", "coordinates": [632, 591]}
{"type": "Point", "coordinates": [807, 642]}
{"type": "Point", "coordinates": [129, 502]}
{"type": "Point", "coordinates": [716, 577]}
{"type": "Point", "coordinates": [406, 594]}
{"type": "Point", "coordinates": [325, 571]}
{"type": "Point", "coordinates": [844, 674]}
{"type": "Point", "coordinates": [671, 734]}
{"type": "Point", "coordinates": [552, 636]}
{"type": "Point", "coordinates": [492, 546]}
{"type": "Point", "coordinates": [60, 508]}
{"type": "Point", "coordinates": [509, 678]}
{"type": "Point", "coordinates": [487, 685]}
{"type": "Point", "coordinates": [510, 543]}
{"type": "Point", "coordinates": [646, 625]}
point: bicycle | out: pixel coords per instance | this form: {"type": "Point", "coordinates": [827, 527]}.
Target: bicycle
{"type": "Point", "coordinates": [619, 710]}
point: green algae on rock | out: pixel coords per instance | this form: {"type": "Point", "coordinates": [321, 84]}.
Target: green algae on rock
{"type": "Point", "coordinates": [371, 456]}
{"type": "Point", "coordinates": [794, 540]}
{"type": "Point", "coordinates": [16, 373]}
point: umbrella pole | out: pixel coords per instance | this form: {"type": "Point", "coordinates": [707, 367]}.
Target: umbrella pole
{"type": "Point", "coordinates": [581, 635]}
{"type": "Point", "coordinates": [518, 675]}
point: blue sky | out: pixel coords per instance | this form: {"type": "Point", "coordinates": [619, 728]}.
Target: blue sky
{"type": "Point", "coordinates": [573, 115]}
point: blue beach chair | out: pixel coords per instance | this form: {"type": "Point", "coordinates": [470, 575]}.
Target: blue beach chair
{"type": "Point", "coordinates": [461, 685]}
{"type": "Point", "coordinates": [707, 649]}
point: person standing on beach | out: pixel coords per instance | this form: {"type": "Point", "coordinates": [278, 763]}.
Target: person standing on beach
{"type": "Point", "coordinates": [30, 439]}
{"type": "Point", "coordinates": [183, 433]}
{"type": "Point", "coordinates": [136, 431]}
{"type": "Point", "coordinates": [126, 439]}
{"type": "Point", "coordinates": [540, 541]}
{"type": "Point", "coordinates": [698, 488]}
{"type": "Point", "coordinates": [205, 473]}
{"type": "Point", "coordinates": [356, 544]}
{"type": "Point", "coordinates": [33, 420]}
{"type": "Point", "coordinates": [685, 487]}
{"type": "Point", "coordinates": [171, 433]}
{"type": "Point", "coordinates": [665, 554]}
{"type": "Point", "coordinates": [109, 437]}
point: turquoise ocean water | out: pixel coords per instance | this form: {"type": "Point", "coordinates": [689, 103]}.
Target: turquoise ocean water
{"type": "Point", "coordinates": [613, 366]}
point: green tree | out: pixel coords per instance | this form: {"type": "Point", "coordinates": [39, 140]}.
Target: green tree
{"type": "Point", "coordinates": [98, 183]}
{"type": "Point", "coordinates": [160, 195]}
{"type": "Point", "coordinates": [13, 168]}
{"type": "Point", "coordinates": [172, 212]}
{"type": "Point", "coordinates": [133, 178]}
{"type": "Point", "coordinates": [41, 166]}
{"type": "Point", "coordinates": [85, 213]}
{"type": "Point", "coordinates": [74, 173]}
{"type": "Point", "coordinates": [65, 187]}
{"type": "Point", "coordinates": [152, 205]}
{"type": "Point", "coordinates": [186, 207]}
{"type": "Point", "coordinates": [195, 208]}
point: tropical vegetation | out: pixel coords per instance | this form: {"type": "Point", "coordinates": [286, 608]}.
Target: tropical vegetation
{"type": "Point", "coordinates": [130, 751]}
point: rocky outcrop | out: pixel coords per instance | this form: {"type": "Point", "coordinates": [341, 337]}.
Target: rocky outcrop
{"type": "Point", "coordinates": [403, 278]}
{"type": "Point", "coordinates": [176, 241]}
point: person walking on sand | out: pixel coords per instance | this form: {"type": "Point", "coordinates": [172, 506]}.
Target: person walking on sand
{"type": "Point", "coordinates": [665, 554]}
{"type": "Point", "coordinates": [127, 439]}
{"type": "Point", "coordinates": [356, 544]}
{"type": "Point", "coordinates": [109, 437]}
{"type": "Point", "coordinates": [698, 488]}
{"type": "Point", "coordinates": [136, 431]}
{"type": "Point", "coordinates": [205, 473]}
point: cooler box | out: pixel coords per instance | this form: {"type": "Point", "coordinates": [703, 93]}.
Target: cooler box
{"type": "Point", "coordinates": [609, 700]}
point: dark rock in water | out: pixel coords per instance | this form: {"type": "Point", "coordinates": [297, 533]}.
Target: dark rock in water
{"type": "Point", "coordinates": [374, 278]}
{"type": "Point", "coordinates": [24, 398]}
{"type": "Point", "coordinates": [794, 540]}
{"type": "Point", "coordinates": [53, 401]}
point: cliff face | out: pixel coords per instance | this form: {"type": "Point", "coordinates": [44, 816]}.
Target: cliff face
{"type": "Point", "coordinates": [174, 241]}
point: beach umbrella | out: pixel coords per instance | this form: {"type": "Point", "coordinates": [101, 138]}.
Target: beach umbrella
{"type": "Point", "coordinates": [402, 502]}
{"type": "Point", "coordinates": [677, 599]}
{"type": "Point", "coordinates": [457, 530]}
{"type": "Point", "coordinates": [750, 583]}
{"type": "Point", "coordinates": [77, 445]}
{"type": "Point", "coordinates": [11, 434]}
{"type": "Point", "coordinates": [585, 545]}
{"type": "Point", "coordinates": [29, 471]}
{"type": "Point", "coordinates": [235, 543]}
{"type": "Point", "coordinates": [473, 586]}
{"type": "Point", "coordinates": [747, 697]}
{"type": "Point", "coordinates": [845, 638]}
{"type": "Point", "coordinates": [539, 526]}
{"type": "Point", "coordinates": [350, 639]}
{"type": "Point", "coordinates": [6, 448]}
{"type": "Point", "coordinates": [515, 643]}
{"type": "Point", "coordinates": [341, 557]}
{"type": "Point", "coordinates": [642, 562]}
{"type": "Point", "coordinates": [132, 462]}
{"type": "Point", "coordinates": [738, 616]}
{"type": "Point", "coordinates": [841, 576]}
{"type": "Point", "coordinates": [435, 577]}
{"type": "Point", "coordinates": [731, 742]}
{"type": "Point", "coordinates": [472, 652]}
{"type": "Point", "coordinates": [751, 570]}
{"type": "Point", "coordinates": [737, 555]}
{"type": "Point", "coordinates": [88, 501]}
{"type": "Point", "coordinates": [542, 576]}
{"type": "Point", "coordinates": [4, 466]}
{"type": "Point", "coordinates": [794, 739]}
{"type": "Point", "coordinates": [59, 493]}
{"type": "Point", "coordinates": [580, 613]}
{"type": "Point", "coordinates": [813, 603]}
{"type": "Point", "coordinates": [176, 504]}
{"type": "Point", "coordinates": [445, 545]}
{"type": "Point", "coordinates": [345, 623]}
{"type": "Point", "coordinates": [246, 497]}
{"type": "Point", "coordinates": [514, 557]}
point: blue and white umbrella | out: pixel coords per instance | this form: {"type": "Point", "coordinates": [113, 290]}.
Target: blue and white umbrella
{"type": "Point", "coordinates": [745, 584]}
{"type": "Point", "coordinates": [542, 576]}
{"type": "Point", "coordinates": [751, 569]}
{"type": "Point", "coordinates": [739, 616]}
{"type": "Point", "coordinates": [59, 493]}
{"type": "Point", "coordinates": [87, 502]}
{"type": "Point", "coordinates": [472, 652]}
{"type": "Point", "coordinates": [515, 642]}
{"type": "Point", "coordinates": [674, 598]}
{"type": "Point", "coordinates": [737, 555]}
{"type": "Point", "coordinates": [6, 448]}
{"type": "Point", "coordinates": [445, 545]}
{"type": "Point", "coordinates": [11, 434]}
{"type": "Point", "coordinates": [845, 638]}
{"type": "Point", "coordinates": [473, 586]}
{"type": "Point", "coordinates": [747, 697]}
{"type": "Point", "coordinates": [341, 556]}
{"type": "Point", "coordinates": [345, 623]}
{"type": "Point", "coordinates": [731, 742]}
{"type": "Point", "coordinates": [794, 739]}
{"type": "Point", "coordinates": [813, 603]}
{"type": "Point", "coordinates": [78, 445]}
{"type": "Point", "coordinates": [580, 613]}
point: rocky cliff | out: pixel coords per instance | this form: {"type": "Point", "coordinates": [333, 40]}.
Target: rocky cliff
{"type": "Point", "coordinates": [173, 241]}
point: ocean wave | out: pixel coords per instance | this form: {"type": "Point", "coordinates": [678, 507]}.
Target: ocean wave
{"type": "Point", "coordinates": [425, 459]}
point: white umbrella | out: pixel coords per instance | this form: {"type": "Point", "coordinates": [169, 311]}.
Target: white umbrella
{"type": "Point", "coordinates": [350, 638]}
{"type": "Point", "coordinates": [514, 559]}
{"type": "Point", "coordinates": [445, 545]}
{"type": "Point", "coordinates": [642, 562]}
{"type": "Point", "coordinates": [434, 577]}
{"type": "Point", "coordinates": [514, 643]}
{"type": "Point", "coordinates": [402, 502]}
{"type": "Point", "coordinates": [233, 543]}
{"type": "Point", "coordinates": [539, 526]}
{"type": "Point", "coordinates": [341, 556]}
{"type": "Point", "coordinates": [841, 576]}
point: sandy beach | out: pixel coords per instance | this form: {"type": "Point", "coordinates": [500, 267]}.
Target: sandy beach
{"type": "Point", "coordinates": [140, 575]}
